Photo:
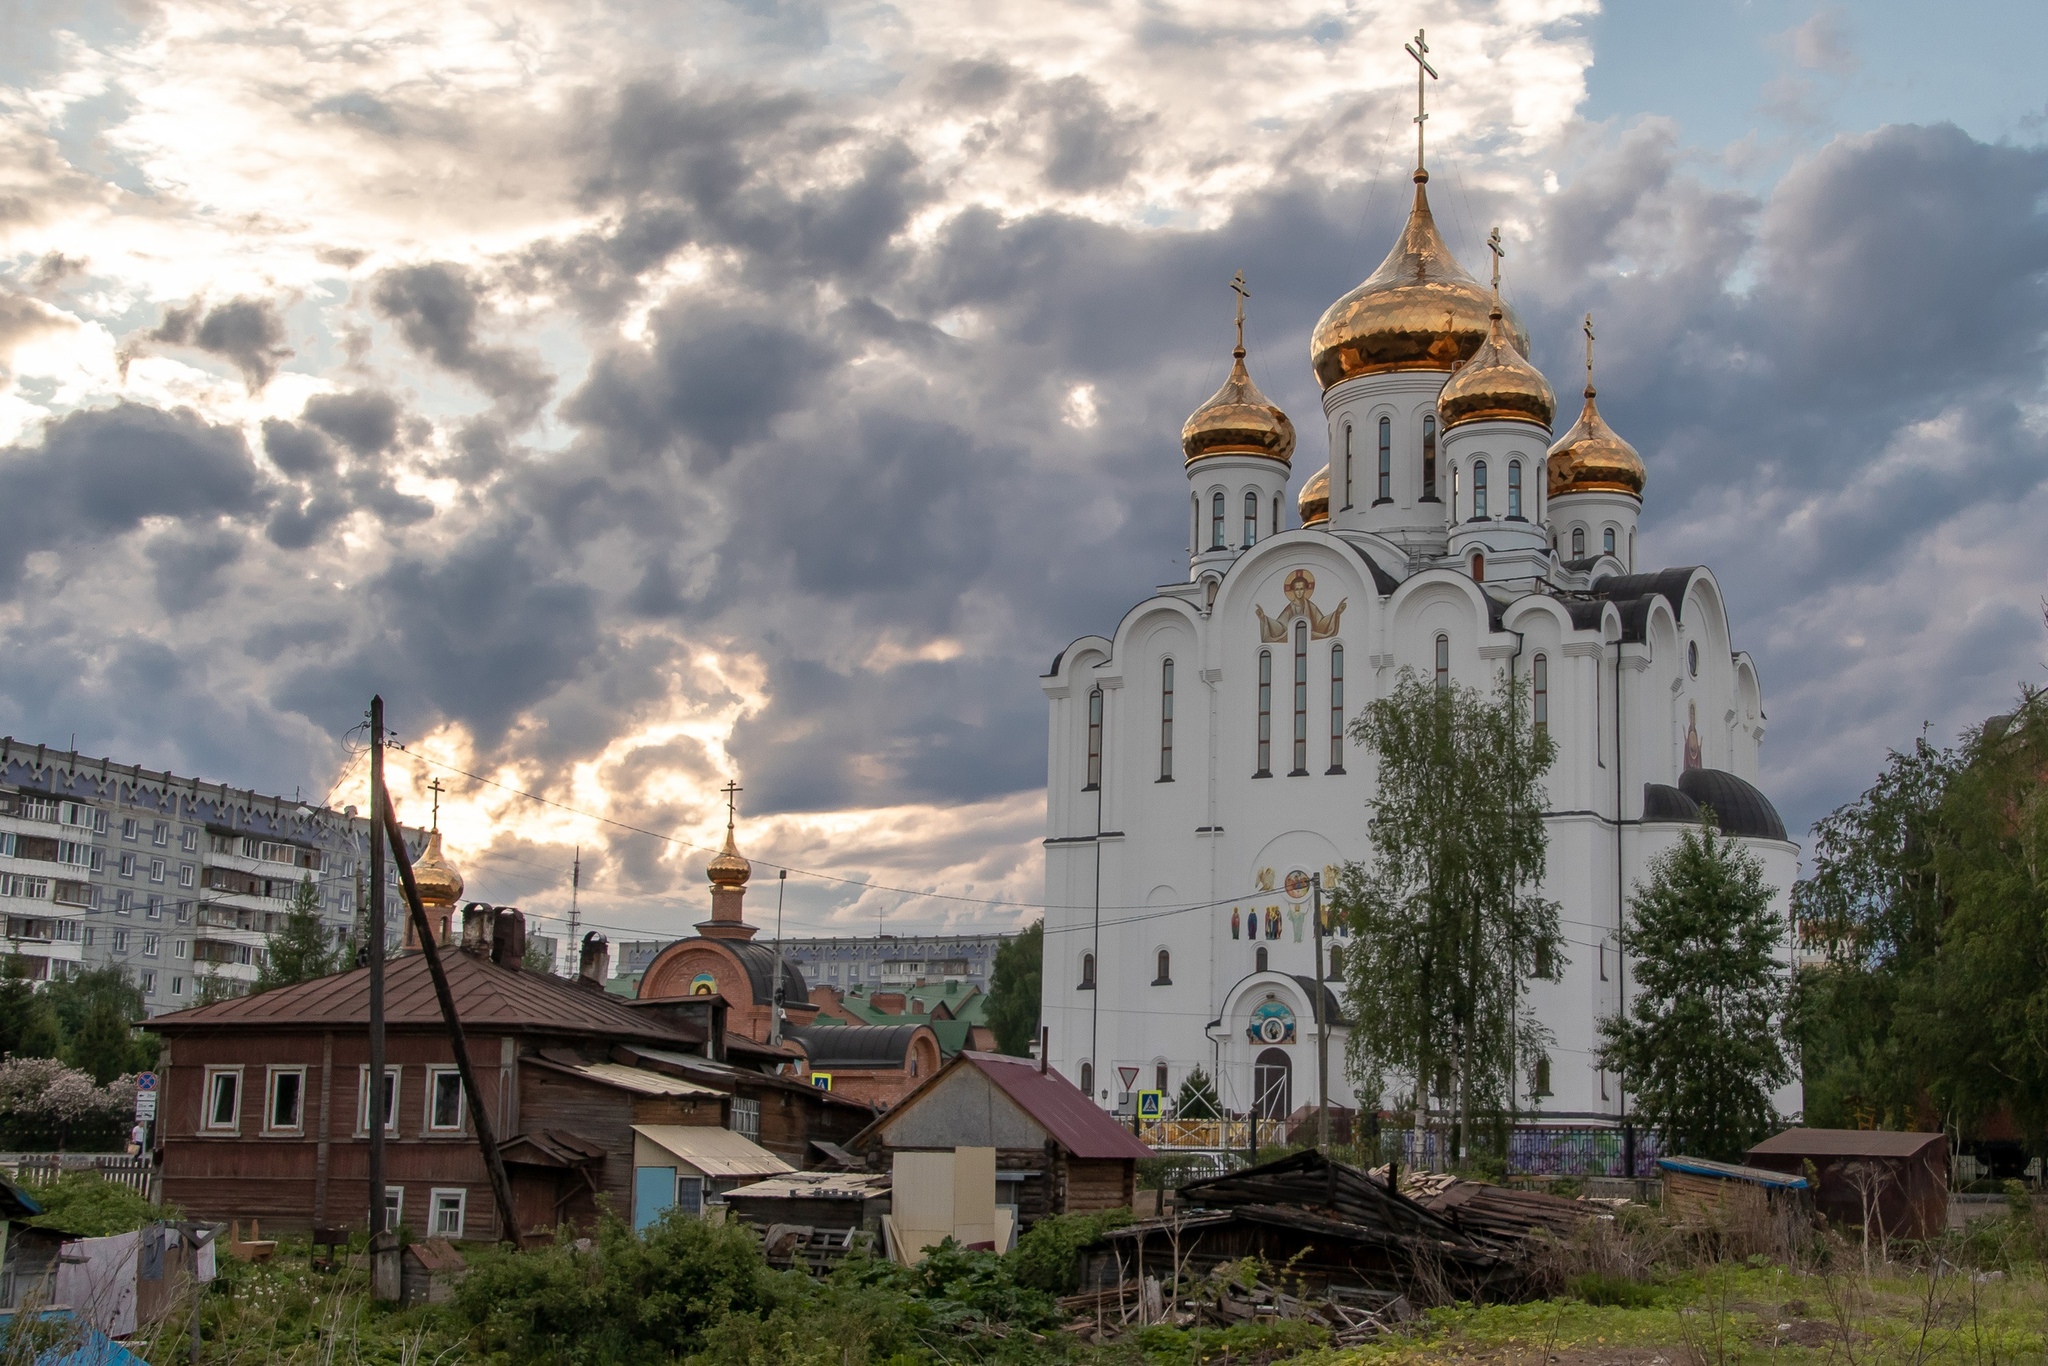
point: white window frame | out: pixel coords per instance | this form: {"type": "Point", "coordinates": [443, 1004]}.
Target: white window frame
{"type": "Point", "coordinates": [394, 1206]}
{"type": "Point", "coordinates": [120, 941]}
{"type": "Point", "coordinates": [746, 1117]}
{"type": "Point", "coordinates": [126, 866]}
{"type": "Point", "coordinates": [397, 1074]}
{"type": "Point", "coordinates": [147, 984]}
{"type": "Point", "coordinates": [160, 834]}
{"type": "Point", "coordinates": [157, 868]}
{"type": "Point", "coordinates": [434, 1076]}
{"type": "Point", "coordinates": [177, 986]}
{"type": "Point", "coordinates": [460, 1194]}
{"type": "Point", "coordinates": [190, 842]}
{"type": "Point", "coordinates": [270, 1080]}
{"type": "Point", "coordinates": [210, 1101]}
{"type": "Point", "coordinates": [186, 876]}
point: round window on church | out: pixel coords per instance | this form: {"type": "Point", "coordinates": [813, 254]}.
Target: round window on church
{"type": "Point", "coordinates": [1692, 658]}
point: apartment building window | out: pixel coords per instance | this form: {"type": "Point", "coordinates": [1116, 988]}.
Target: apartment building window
{"type": "Point", "coordinates": [186, 876]}
{"type": "Point", "coordinates": [177, 986]}
{"type": "Point", "coordinates": [190, 842]}
{"type": "Point", "coordinates": [160, 835]}
{"type": "Point", "coordinates": [156, 908]}
{"type": "Point", "coordinates": [157, 868]}
{"type": "Point", "coordinates": [124, 902]}
{"type": "Point", "coordinates": [184, 912]}
{"type": "Point", "coordinates": [120, 941]}
{"type": "Point", "coordinates": [129, 828]}
{"type": "Point", "coordinates": [181, 948]}
{"type": "Point", "coordinates": [87, 937]}
{"type": "Point", "coordinates": [146, 983]}
{"type": "Point", "coordinates": [126, 866]}
{"type": "Point", "coordinates": [150, 944]}
{"type": "Point", "coordinates": [223, 1113]}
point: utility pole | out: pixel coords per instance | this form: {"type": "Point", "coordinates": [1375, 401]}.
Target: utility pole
{"type": "Point", "coordinates": [575, 885]}
{"type": "Point", "coordinates": [775, 1020]}
{"type": "Point", "coordinates": [1322, 1028]}
{"type": "Point", "coordinates": [383, 1246]}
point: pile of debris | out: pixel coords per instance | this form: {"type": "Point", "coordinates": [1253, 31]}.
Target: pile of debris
{"type": "Point", "coordinates": [1226, 1298]}
{"type": "Point", "coordinates": [1330, 1233]}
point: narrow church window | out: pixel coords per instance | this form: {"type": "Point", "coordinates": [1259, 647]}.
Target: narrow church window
{"type": "Point", "coordinates": [1514, 488]}
{"type": "Point", "coordinates": [1542, 1087]}
{"type": "Point", "coordinates": [1336, 961]}
{"type": "Point", "coordinates": [1478, 568]}
{"type": "Point", "coordinates": [1166, 722]}
{"type": "Point", "coordinates": [1456, 490]}
{"type": "Point", "coordinates": [1443, 661]}
{"type": "Point", "coordinates": [1347, 464]}
{"type": "Point", "coordinates": [1194, 523]}
{"type": "Point", "coordinates": [1692, 658]}
{"type": "Point", "coordinates": [1251, 519]}
{"type": "Point", "coordinates": [1336, 709]}
{"type": "Point", "coordinates": [1087, 972]}
{"type": "Point", "coordinates": [1479, 489]}
{"type": "Point", "coordinates": [1578, 543]}
{"type": "Point", "coordinates": [1259, 962]}
{"type": "Point", "coordinates": [1165, 977]}
{"type": "Point", "coordinates": [1159, 1077]}
{"type": "Point", "coordinates": [1386, 460]}
{"type": "Point", "coordinates": [1276, 514]}
{"type": "Point", "coordinates": [1094, 740]}
{"type": "Point", "coordinates": [1607, 540]}
{"type": "Point", "coordinates": [1216, 522]}
{"type": "Point", "coordinates": [1265, 769]}
{"type": "Point", "coordinates": [1540, 694]}
{"type": "Point", "coordinates": [1429, 457]}
{"type": "Point", "coordinates": [1088, 1080]}
{"type": "Point", "coordinates": [1300, 699]}
{"type": "Point", "coordinates": [1631, 552]}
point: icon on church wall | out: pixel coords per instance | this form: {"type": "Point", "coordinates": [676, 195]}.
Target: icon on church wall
{"type": "Point", "coordinates": [1692, 735]}
{"type": "Point", "coordinates": [1300, 587]}
{"type": "Point", "coordinates": [1272, 1022]}
{"type": "Point", "coordinates": [1296, 915]}
{"type": "Point", "coordinates": [1264, 879]}
{"type": "Point", "coordinates": [1234, 922]}
{"type": "Point", "coordinates": [703, 984]}
{"type": "Point", "coordinates": [1272, 922]}
{"type": "Point", "coordinates": [1298, 886]}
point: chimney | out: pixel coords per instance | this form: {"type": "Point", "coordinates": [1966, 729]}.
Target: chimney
{"type": "Point", "coordinates": [595, 964]}
{"type": "Point", "coordinates": [476, 928]}
{"type": "Point", "coordinates": [508, 938]}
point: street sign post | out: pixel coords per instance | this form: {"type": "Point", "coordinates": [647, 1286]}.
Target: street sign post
{"type": "Point", "coordinates": [1151, 1106]}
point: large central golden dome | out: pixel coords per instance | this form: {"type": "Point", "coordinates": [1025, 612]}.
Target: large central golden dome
{"type": "Point", "coordinates": [1418, 311]}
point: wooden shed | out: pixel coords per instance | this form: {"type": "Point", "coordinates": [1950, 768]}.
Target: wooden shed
{"type": "Point", "coordinates": [1056, 1151]}
{"type": "Point", "coordinates": [1899, 1180]}
{"type": "Point", "coordinates": [1699, 1186]}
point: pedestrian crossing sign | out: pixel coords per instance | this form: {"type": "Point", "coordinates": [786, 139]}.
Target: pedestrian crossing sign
{"type": "Point", "coordinates": [1151, 1106]}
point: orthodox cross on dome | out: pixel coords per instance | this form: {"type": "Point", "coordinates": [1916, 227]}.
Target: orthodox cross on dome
{"type": "Point", "coordinates": [1589, 353]}
{"type": "Point", "coordinates": [1243, 292]}
{"type": "Point", "coordinates": [436, 788]}
{"type": "Point", "coordinates": [1419, 50]}
{"type": "Point", "coordinates": [1493, 245]}
{"type": "Point", "coordinates": [732, 789]}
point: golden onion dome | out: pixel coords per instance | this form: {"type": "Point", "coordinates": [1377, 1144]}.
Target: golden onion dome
{"type": "Point", "coordinates": [1590, 458]}
{"type": "Point", "coordinates": [1314, 499]}
{"type": "Point", "coordinates": [439, 882]}
{"type": "Point", "coordinates": [727, 869]}
{"type": "Point", "coordinates": [1418, 311]}
{"type": "Point", "coordinates": [1238, 420]}
{"type": "Point", "coordinates": [1497, 385]}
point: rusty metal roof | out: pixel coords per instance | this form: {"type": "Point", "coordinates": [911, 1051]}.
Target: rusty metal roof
{"type": "Point", "coordinates": [486, 997]}
{"type": "Point", "coordinates": [1075, 1122]}
{"type": "Point", "coordinates": [1843, 1143]}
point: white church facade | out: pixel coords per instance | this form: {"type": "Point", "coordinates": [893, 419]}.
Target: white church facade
{"type": "Point", "coordinates": [1198, 771]}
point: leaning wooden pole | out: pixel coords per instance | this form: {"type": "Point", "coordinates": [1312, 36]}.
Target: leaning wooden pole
{"type": "Point", "coordinates": [486, 1136]}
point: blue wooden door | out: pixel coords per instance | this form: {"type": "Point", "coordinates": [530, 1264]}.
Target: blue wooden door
{"type": "Point", "coordinates": [654, 1190]}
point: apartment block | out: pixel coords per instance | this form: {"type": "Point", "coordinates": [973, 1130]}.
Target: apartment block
{"type": "Point", "coordinates": [894, 961]}
{"type": "Point", "coordinates": [173, 879]}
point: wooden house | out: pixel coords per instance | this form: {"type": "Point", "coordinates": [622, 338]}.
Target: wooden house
{"type": "Point", "coordinates": [1056, 1151]}
{"type": "Point", "coordinates": [1898, 1181]}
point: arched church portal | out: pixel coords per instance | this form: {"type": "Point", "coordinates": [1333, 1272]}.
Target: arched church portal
{"type": "Point", "coordinates": [1273, 1085]}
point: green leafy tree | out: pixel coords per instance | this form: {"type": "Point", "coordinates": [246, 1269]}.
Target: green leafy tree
{"type": "Point", "coordinates": [1870, 918]}
{"type": "Point", "coordinates": [537, 959]}
{"type": "Point", "coordinates": [28, 1026]}
{"type": "Point", "coordinates": [1014, 990]}
{"type": "Point", "coordinates": [97, 1011]}
{"type": "Point", "coordinates": [302, 949]}
{"type": "Point", "coordinates": [1197, 1097]}
{"type": "Point", "coordinates": [1701, 1048]}
{"type": "Point", "coordinates": [1448, 924]}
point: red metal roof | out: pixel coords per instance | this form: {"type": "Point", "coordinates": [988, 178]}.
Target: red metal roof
{"type": "Point", "coordinates": [1075, 1122]}
{"type": "Point", "coordinates": [486, 997]}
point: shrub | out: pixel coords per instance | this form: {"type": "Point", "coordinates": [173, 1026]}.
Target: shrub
{"type": "Point", "coordinates": [1048, 1257]}
{"type": "Point", "coordinates": [1603, 1288]}
{"type": "Point", "coordinates": [83, 1203]}
{"type": "Point", "coordinates": [45, 1104]}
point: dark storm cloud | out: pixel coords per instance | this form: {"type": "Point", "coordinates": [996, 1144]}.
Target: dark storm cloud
{"type": "Point", "coordinates": [246, 332]}
{"type": "Point", "coordinates": [1088, 146]}
{"type": "Point", "coordinates": [366, 421]}
{"type": "Point", "coordinates": [438, 313]}
{"type": "Point", "coordinates": [188, 567]}
{"type": "Point", "coordinates": [98, 474]}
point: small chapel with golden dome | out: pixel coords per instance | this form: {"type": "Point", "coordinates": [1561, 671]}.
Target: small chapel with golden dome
{"type": "Point", "coordinates": [1199, 774]}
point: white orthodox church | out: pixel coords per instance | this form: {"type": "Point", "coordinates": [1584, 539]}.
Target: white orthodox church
{"type": "Point", "coordinates": [1198, 772]}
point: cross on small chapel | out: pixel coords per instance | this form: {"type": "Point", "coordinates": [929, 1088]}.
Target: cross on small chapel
{"type": "Point", "coordinates": [1243, 292]}
{"type": "Point", "coordinates": [732, 789]}
{"type": "Point", "coordinates": [436, 788]}
{"type": "Point", "coordinates": [1419, 50]}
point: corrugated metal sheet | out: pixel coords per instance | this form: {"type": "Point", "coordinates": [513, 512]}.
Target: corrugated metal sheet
{"type": "Point", "coordinates": [1729, 1171]}
{"type": "Point", "coordinates": [1075, 1122]}
{"type": "Point", "coordinates": [1843, 1143]}
{"type": "Point", "coordinates": [637, 1079]}
{"type": "Point", "coordinates": [715, 1152]}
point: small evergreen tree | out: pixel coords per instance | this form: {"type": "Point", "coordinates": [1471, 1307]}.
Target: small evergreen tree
{"type": "Point", "coordinates": [1197, 1098]}
{"type": "Point", "coordinates": [97, 1011]}
{"type": "Point", "coordinates": [1013, 991]}
{"type": "Point", "coordinates": [28, 1026]}
{"type": "Point", "coordinates": [1702, 1046]}
{"type": "Point", "coordinates": [302, 950]}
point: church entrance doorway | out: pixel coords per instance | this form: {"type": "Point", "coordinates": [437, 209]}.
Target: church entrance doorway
{"type": "Point", "coordinates": [1273, 1085]}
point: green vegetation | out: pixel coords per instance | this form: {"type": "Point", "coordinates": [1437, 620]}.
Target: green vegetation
{"type": "Point", "coordinates": [1197, 1097]}
{"type": "Point", "coordinates": [1701, 1047]}
{"type": "Point", "coordinates": [1448, 925]}
{"type": "Point", "coordinates": [86, 1021]}
{"type": "Point", "coordinates": [1013, 991]}
{"type": "Point", "coordinates": [82, 1203]}
{"type": "Point", "coordinates": [302, 949]}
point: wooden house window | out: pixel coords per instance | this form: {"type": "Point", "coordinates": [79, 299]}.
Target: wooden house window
{"type": "Point", "coordinates": [450, 1204]}
{"type": "Point", "coordinates": [284, 1108]}
{"type": "Point", "coordinates": [391, 1082]}
{"type": "Point", "coordinates": [444, 1101]}
{"type": "Point", "coordinates": [223, 1114]}
{"type": "Point", "coordinates": [746, 1118]}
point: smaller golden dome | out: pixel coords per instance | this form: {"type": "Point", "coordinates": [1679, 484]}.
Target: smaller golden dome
{"type": "Point", "coordinates": [1497, 385]}
{"type": "Point", "coordinates": [727, 869]}
{"type": "Point", "coordinates": [439, 882]}
{"type": "Point", "coordinates": [1238, 420]}
{"type": "Point", "coordinates": [1590, 458]}
{"type": "Point", "coordinates": [1314, 499]}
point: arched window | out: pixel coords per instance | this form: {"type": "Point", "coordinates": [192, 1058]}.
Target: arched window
{"type": "Point", "coordinates": [1386, 494]}
{"type": "Point", "coordinates": [1479, 488]}
{"type": "Point", "coordinates": [1087, 972]}
{"type": "Point", "coordinates": [1251, 519]}
{"type": "Point", "coordinates": [1478, 567]}
{"type": "Point", "coordinates": [1166, 721]}
{"type": "Point", "coordinates": [1259, 960]}
{"type": "Point", "coordinates": [1211, 592]}
{"type": "Point", "coordinates": [1300, 699]}
{"type": "Point", "coordinates": [1607, 540]}
{"type": "Point", "coordinates": [1456, 490]}
{"type": "Point", "coordinates": [1265, 769]}
{"type": "Point", "coordinates": [1165, 977]}
{"type": "Point", "coordinates": [1514, 488]}
{"type": "Point", "coordinates": [1216, 522]}
{"type": "Point", "coordinates": [1631, 550]}
{"type": "Point", "coordinates": [1443, 661]}
{"type": "Point", "coordinates": [1159, 1077]}
{"type": "Point", "coordinates": [1335, 961]}
{"type": "Point", "coordinates": [1578, 543]}
{"type": "Point", "coordinates": [1094, 740]}
{"type": "Point", "coordinates": [1429, 457]}
{"type": "Point", "coordinates": [1336, 709]}
{"type": "Point", "coordinates": [1276, 514]}
{"type": "Point", "coordinates": [1088, 1080]}
{"type": "Point", "coordinates": [1539, 694]}
{"type": "Point", "coordinates": [1194, 523]}
{"type": "Point", "coordinates": [1692, 658]}
{"type": "Point", "coordinates": [1542, 1079]}
{"type": "Point", "coordinates": [1347, 464]}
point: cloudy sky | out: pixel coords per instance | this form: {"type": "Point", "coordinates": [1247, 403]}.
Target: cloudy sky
{"type": "Point", "coordinates": [641, 394]}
